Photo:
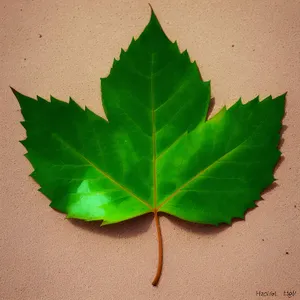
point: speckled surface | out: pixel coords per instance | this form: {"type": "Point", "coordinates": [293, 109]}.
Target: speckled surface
{"type": "Point", "coordinates": [62, 48]}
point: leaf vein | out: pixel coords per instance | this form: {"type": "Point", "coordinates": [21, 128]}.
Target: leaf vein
{"type": "Point", "coordinates": [55, 135]}
{"type": "Point", "coordinates": [208, 167]}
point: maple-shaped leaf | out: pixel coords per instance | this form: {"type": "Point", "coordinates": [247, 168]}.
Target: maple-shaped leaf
{"type": "Point", "coordinates": [157, 152]}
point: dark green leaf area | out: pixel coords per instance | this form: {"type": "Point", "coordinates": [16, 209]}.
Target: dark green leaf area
{"type": "Point", "coordinates": [153, 88]}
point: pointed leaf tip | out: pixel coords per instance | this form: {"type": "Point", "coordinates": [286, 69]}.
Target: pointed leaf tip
{"type": "Point", "coordinates": [281, 97]}
{"type": "Point", "coordinates": [153, 18]}
{"type": "Point", "coordinates": [16, 93]}
{"type": "Point", "coordinates": [151, 8]}
{"type": "Point", "coordinates": [22, 99]}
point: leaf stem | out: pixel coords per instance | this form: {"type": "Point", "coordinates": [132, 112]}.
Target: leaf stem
{"type": "Point", "coordinates": [160, 250]}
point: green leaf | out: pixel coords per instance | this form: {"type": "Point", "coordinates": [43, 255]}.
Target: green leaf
{"type": "Point", "coordinates": [157, 152]}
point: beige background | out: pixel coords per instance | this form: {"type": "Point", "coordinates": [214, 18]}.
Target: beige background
{"type": "Point", "coordinates": [63, 47]}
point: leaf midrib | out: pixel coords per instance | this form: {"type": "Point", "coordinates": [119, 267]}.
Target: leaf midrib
{"type": "Point", "coordinates": [153, 132]}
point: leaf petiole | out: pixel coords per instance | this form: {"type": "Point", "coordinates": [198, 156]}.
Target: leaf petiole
{"type": "Point", "coordinates": [160, 250]}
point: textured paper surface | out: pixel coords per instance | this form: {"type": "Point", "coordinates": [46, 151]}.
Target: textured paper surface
{"type": "Point", "coordinates": [62, 48]}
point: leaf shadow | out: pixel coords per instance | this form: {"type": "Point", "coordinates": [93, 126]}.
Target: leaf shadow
{"type": "Point", "coordinates": [195, 227]}
{"type": "Point", "coordinates": [280, 161]}
{"type": "Point", "coordinates": [211, 107]}
{"type": "Point", "coordinates": [134, 227]}
{"type": "Point", "coordinates": [268, 189]}
{"type": "Point", "coordinates": [126, 229]}
{"type": "Point", "coordinates": [280, 144]}
{"type": "Point", "coordinates": [282, 131]}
